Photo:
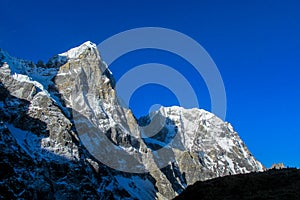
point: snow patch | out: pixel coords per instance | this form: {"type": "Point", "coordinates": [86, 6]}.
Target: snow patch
{"type": "Point", "coordinates": [137, 187]}
{"type": "Point", "coordinates": [75, 52]}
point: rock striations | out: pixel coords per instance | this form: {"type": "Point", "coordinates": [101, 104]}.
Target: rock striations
{"type": "Point", "coordinates": [64, 135]}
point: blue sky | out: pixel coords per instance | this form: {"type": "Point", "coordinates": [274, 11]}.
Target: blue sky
{"type": "Point", "coordinates": [255, 45]}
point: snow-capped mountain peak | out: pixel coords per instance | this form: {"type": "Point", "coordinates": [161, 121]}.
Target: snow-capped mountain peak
{"type": "Point", "coordinates": [77, 51]}
{"type": "Point", "coordinates": [64, 134]}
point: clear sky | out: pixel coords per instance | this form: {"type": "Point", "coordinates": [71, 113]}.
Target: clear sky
{"type": "Point", "coordinates": [255, 45]}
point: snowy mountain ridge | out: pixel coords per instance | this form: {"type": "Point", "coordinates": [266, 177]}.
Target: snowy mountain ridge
{"type": "Point", "coordinates": [64, 134]}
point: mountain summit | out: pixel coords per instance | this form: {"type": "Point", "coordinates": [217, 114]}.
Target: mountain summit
{"type": "Point", "coordinates": [64, 135]}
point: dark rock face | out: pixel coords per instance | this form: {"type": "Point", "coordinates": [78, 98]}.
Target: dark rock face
{"type": "Point", "coordinates": [64, 135]}
{"type": "Point", "coordinates": [271, 184]}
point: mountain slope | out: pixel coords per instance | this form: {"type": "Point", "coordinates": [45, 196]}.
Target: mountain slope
{"type": "Point", "coordinates": [63, 130]}
{"type": "Point", "coordinates": [271, 184]}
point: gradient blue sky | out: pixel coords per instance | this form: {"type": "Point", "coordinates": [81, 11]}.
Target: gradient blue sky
{"type": "Point", "coordinates": [255, 44]}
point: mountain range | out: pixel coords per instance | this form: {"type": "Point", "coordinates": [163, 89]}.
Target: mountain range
{"type": "Point", "coordinates": [65, 135]}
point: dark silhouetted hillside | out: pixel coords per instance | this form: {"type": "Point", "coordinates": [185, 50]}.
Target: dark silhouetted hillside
{"type": "Point", "coordinates": [271, 184]}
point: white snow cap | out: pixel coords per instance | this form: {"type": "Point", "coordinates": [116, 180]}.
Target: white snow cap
{"type": "Point", "coordinates": [75, 52]}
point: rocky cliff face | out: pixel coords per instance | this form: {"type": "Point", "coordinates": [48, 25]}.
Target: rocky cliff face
{"type": "Point", "coordinates": [64, 134]}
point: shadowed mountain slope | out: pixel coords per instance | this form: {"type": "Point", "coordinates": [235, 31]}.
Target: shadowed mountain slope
{"type": "Point", "coordinates": [272, 184]}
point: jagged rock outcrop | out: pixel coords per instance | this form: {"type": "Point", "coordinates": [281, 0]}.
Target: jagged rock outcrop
{"type": "Point", "coordinates": [277, 166]}
{"type": "Point", "coordinates": [64, 134]}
